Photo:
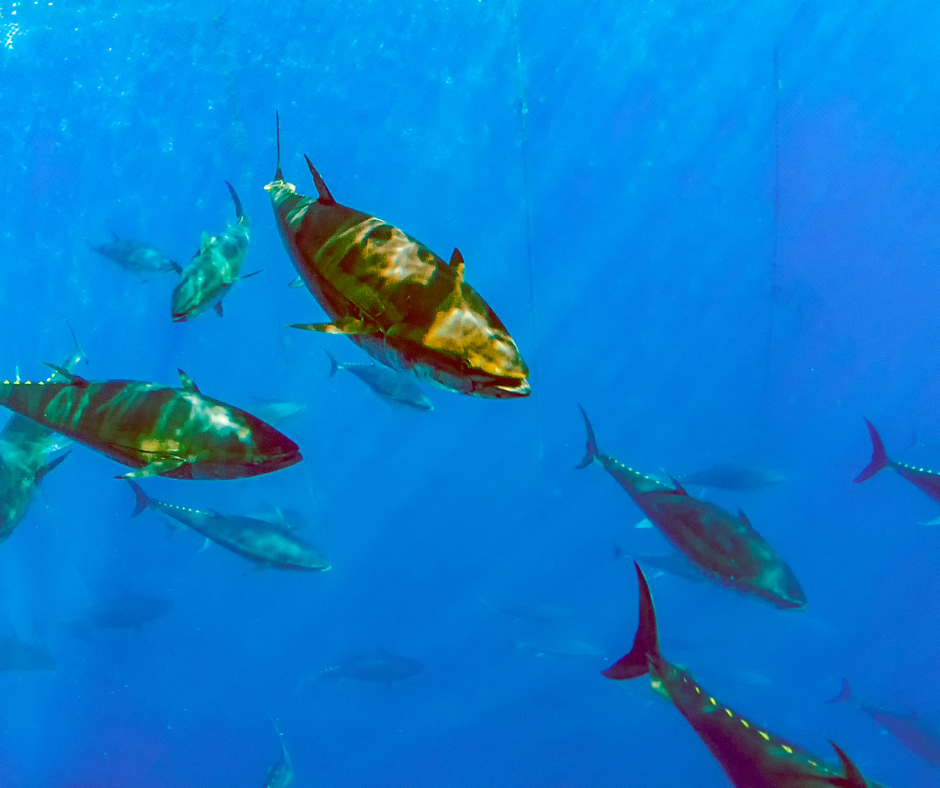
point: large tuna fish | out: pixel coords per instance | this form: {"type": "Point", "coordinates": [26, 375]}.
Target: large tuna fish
{"type": "Point", "coordinates": [725, 548]}
{"type": "Point", "coordinates": [158, 430]}
{"type": "Point", "coordinates": [394, 297]}
{"type": "Point", "coordinates": [750, 755]}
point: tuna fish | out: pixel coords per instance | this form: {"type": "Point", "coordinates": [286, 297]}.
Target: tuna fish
{"type": "Point", "coordinates": [282, 773]}
{"type": "Point", "coordinates": [216, 267]}
{"type": "Point", "coordinates": [392, 386]}
{"type": "Point", "coordinates": [751, 756]}
{"type": "Point", "coordinates": [265, 543]}
{"type": "Point", "coordinates": [391, 295]}
{"type": "Point", "coordinates": [725, 548]}
{"type": "Point", "coordinates": [124, 611]}
{"type": "Point", "coordinates": [378, 667]}
{"type": "Point", "coordinates": [733, 476]}
{"type": "Point", "coordinates": [927, 481]}
{"type": "Point", "coordinates": [156, 429]}
{"type": "Point", "coordinates": [26, 456]}
{"type": "Point", "coordinates": [136, 256]}
{"type": "Point", "coordinates": [920, 736]}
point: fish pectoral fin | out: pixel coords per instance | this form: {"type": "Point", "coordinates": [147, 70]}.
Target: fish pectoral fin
{"type": "Point", "coordinates": [218, 308]}
{"type": "Point", "coordinates": [744, 521]}
{"type": "Point", "coordinates": [298, 282]}
{"type": "Point", "coordinates": [349, 326]}
{"type": "Point", "coordinates": [679, 489]}
{"type": "Point", "coordinates": [204, 243]}
{"type": "Point", "coordinates": [155, 468]}
{"type": "Point", "coordinates": [49, 466]}
{"type": "Point", "coordinates": [205, 545]}
{"type": "Point", "coordinates": [253, 273]}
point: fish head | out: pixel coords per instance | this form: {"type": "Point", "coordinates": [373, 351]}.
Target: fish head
{"type": "Point", "coordinates": [190, 297]}
{"type": "Point", "coordinates": [270, 449]}
{"type": "Point", "coordinates": [779, 586]}
{"type": "Point", "coordinates": [489, 362]}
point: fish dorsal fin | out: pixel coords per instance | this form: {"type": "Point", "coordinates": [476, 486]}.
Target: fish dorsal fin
{"type": "Point", "coordinates": [743, 518]}
{"type": "Point", "coordinates": [71, 377]}
{"type": "Point", "coordinates": [298, 282]}
{"type": "Point", "coordinates": [204, 242]}
{"type": "Point", "coordinates": [679, 489]}
{"type": "Point", "coordinates": [456, 263]}
{"type": "Point", "coordinates": [187, 382]}
{"type": "Point", "coordinates": [853, 777]}
{"type": "Point", "coordinates": [323, 193]}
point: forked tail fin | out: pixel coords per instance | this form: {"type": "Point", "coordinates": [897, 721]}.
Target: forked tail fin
{"type": "Point", "coordinates": [645, 642]}
{"type": "Point", "coordinates": [844, 695]}
{"type": "Point", "coordinates": [239, 213]}
{"type": "Point", "coordinates": [591, 450]}
{"type": "Point", "coordinates": [142, 501]}
{"type": "Point", "coordinates": [334, 364]}
{"type": "Point", "coordinates": [879, 459]}
{"type": "Point", "coordinates": [853, 777]}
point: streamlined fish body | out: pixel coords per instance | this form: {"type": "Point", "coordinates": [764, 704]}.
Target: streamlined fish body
{"type": "Point", "coordinates": [379, 667]}
{"type": "Point", "coordinates": [392, 296]}
{"type": "Point", "coordinates": [27, 454]}
{"type": "Point", "coordinates": [394, 387]}
{"type": "Point", "coordinates": [281, 774]}
{"type": "Point", "coordinates": [137, 257]}
{"type": "Point", "coordinates": [725, 548]}
{"type": "Point", "coordinates": [216, 267]}
{"type": "Point", "coordinates": [750, 755]}
{"type": "Point", "coordinates": [156, 429]}
{"type": "Point", "coordinates": [265, 543]}
{"type": "Point", "coordinates": [926, 481]}
{"type": "Point", "coordinates": [734, 476]}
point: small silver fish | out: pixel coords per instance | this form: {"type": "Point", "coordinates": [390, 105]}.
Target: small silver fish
{"type": "Point", "coordinates": [390, 385]}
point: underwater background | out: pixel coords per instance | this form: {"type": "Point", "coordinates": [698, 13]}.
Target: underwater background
{"type": "Point", "coordinates": [713, 224]}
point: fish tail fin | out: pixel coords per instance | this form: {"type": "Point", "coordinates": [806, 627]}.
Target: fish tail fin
{"type": "Point", "coordinates": [239, 213]}
{"type": "Point", "coordinates": [645, 642]}
{"type": "Point", "coordinates": [879, 458]}
{"type": "Point", "coordinates": [844, 694]}
{"type": "Point", "coordinates": [591, 449]}
{"type": "Point", "coordinates": [278, 175]}
{"type": "Point", "coordinates": [177, 268]}
{"type": "Point", "coordinates": [142, 502]}
{"type": "Point", "coordinates": [334, 364]}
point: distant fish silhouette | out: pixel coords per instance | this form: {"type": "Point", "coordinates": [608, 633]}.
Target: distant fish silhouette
{"type": "Point", "coordinates": [927, 481]}
{"type": "Point", "coordinates": [536, 613]}
{"type": "Point", "coordinates": [17, 655]}
{"type": "Point", "coordinates": [670, 563]}
{"type": "Point", "coordinates": [750, 755]}
{"type": "Point", "coordinates": [136, 256]}
{"type": "Point", "coordinates": [378, 667]}
{"type": "Point", "coordinates": [918, 735]}
{"type": "Point", "coordinates": [274, 412]}
{"type": "Point", "coordinates": [282, 773]}
{"type": "Point", "coordinates": [736, 477]}
{"type": "Point", "coordinates": [126, 611]}
{"type": "Point", "coordinates": [560, 647]}
{"type": "Point", "coordinates": [392, 386]}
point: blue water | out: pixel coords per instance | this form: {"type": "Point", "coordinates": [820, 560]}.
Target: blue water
{"type": "Point", "coordinates": [715, 225]}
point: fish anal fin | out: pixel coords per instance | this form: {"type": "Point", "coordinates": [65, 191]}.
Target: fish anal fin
{"type": "Point", "coordinates": [323, 192]}
{"type": "Point", "coordinates": [679, 489]}
{"type": "Point", "coordinates": [187, 381]}
{"type": "Point", "coordinates": [156, 468]}
{"type": "Point", "coordinates": [297, 282]}
{"type": "Point", "coordinates": [71, 377]}
{"type": "Point", "coordinates": [853, 777]}
{"type": "Point", "coordinates": [744, 521]}
{"type": "Point", "coordinates": [218, 308]}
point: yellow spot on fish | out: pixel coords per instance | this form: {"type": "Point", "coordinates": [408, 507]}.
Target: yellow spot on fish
{"type": "Point", "coordinates": [729, 713]}
{"type": "Point", "coordinates": [812, 763]}
{"type": "Point", "coordinates": [698, 690]}
{"type": "Point", "coordinates": [764, 735]}
{"type": "Point", "coordinates": [787, 749]}
{"type": "Point", "coordinates": [6, 383]}
{"type": "Point", "coordinates": [745, 723]}
{"type": "Point", "coordinates": [713, 701]}
{"type": "Point", "coordinates": [42, 383]}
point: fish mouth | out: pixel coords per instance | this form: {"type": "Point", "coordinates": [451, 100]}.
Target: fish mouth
{"type": "Point", "coordinates": [512, 388]}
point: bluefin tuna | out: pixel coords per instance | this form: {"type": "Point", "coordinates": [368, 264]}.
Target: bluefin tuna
{"type": "Point", "coordinates": [750, 755]}
{"type": "Point", "coordinates": [126, 610]}
{"type": "Point", "coordinates": [378, 667]}
{"type": "Point", "coordinates": [920, 736]}
{"type": "Point", "coordinates": [734, 476]}
{"type": "Point", "coordinates": [926, 481]}
{"type": "Point", "coordinates": [392, 386]}
{"type": "Point", "coordinates": [405, 306]}
{"type": "Point", "coordinates": [158, 430]}
{"type": "Point", "coordinates": [266, 544]}
{"type": "Point", "coordinates": [215, 268]}
{"type": "Point", "coordinates": [27, 454]}
{"type": "Point", "coordinates": [725, 548]}
{"type": "Point", "coordinates": [281, 774]}
{"type": "Point", "coordinates": [137, 257]}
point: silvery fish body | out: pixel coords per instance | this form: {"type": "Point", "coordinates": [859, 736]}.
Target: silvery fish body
{"type": "Point", "coordinates": [156, 429]}
{"type": "Point", "coordinates": [265, 543]}
{"type": "Point", "coordinates": [137, 257]}
{"type": "Point", "coordinates": [392, 386]}
{"type": "Point", "coordinates": [216, 267]}
{"type": "Point", "coordinates": [391, 295]}
{"type": "Point", "coordinates": [27, 454]}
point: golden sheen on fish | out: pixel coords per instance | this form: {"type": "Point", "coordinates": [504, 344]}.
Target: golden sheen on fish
{"type": "Point", "coordinates": [394, 297]}
{"type": "Point", "coordinates": [159, 430]}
